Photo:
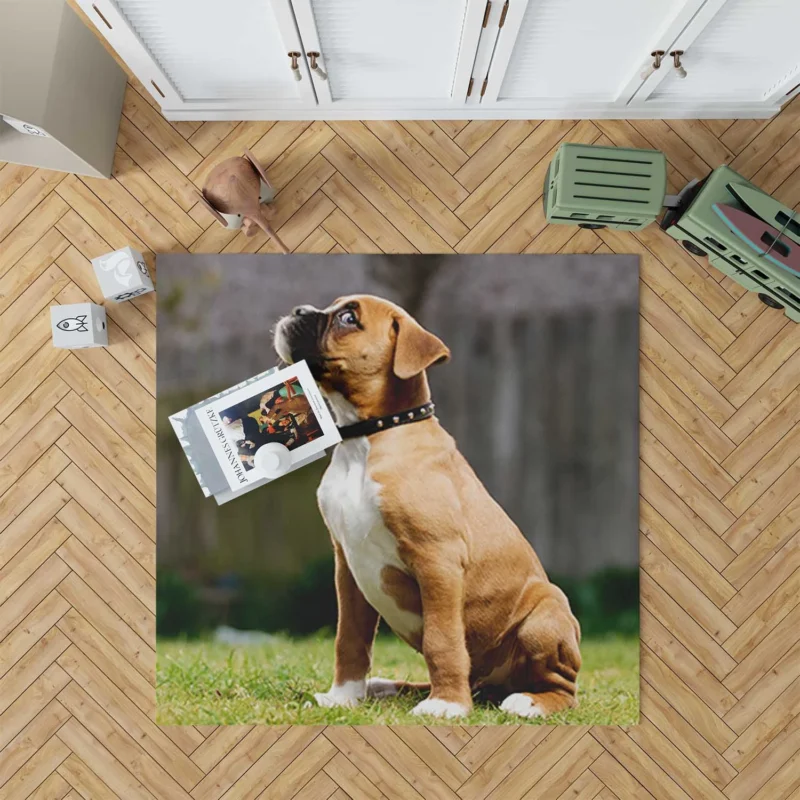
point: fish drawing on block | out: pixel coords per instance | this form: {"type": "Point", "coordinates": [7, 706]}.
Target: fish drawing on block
{"type": "Point", "coordinates": [763, 238]}
{"type": "Point", "coordinates": [77, 324]}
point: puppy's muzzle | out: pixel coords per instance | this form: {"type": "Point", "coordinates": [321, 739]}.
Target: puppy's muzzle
{"type": "Point", "coordinates": [299, 336]}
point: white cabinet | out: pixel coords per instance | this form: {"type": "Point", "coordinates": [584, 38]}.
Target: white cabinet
{"type": "Point", "coordinates": [398, 53]}
{"type": "Point", "coordinates": [737, 51]}
{"type": "Point", "coordinates": [575, 53]}
{"type": "Point", "coordinates": [339, 59]}
{"type": "Point", "coordinates": [205, 54]}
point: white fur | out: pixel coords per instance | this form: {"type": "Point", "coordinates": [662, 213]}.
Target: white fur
{"type": "Point", "coordinates": [279, 341]}
{"type": "Point", "coordinates": [522, 706]}
{"type": "Point", "coordinates": [381, 687]}
{"type": "Point", "coordinates": [350, 503]}
{"type": "Point", "coordinates": [343, 410]}
{"type": "Point", "coordinates": [349, 694]}
{"type": "Point", "coordinates": [433, 707]}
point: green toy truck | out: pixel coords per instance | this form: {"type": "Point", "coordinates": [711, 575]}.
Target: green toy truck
{"type": "Point", "coordinates": [598, 187]}
{"type": "Point", "coordinates": [701, 231]}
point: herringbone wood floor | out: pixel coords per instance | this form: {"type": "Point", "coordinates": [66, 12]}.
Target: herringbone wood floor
{"type": "Point", "coordinates": [720, 469]}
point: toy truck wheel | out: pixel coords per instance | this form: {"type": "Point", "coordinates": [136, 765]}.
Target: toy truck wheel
{"type": "Point", "coordinates": [769, 301]}
{"type": "Point", "coordinates": [693, 248]}
{"type": "Point", "coordinates": [592, 226]}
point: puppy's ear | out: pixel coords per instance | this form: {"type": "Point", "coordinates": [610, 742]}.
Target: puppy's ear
{"type": "Point", "coordinates": [416, 349]}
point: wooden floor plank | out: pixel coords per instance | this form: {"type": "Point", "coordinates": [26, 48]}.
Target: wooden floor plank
{"type": "Point", "coordinates": [493, 152]}
{"type": "Point", "coordinates": [668, 654]}
{"type": "Point", "coordinates": [683, 736]}
{"type": "Point", "coordinates": [105, 770]}
{"type": "Point", "coordinates": [159, 131]}
{"type": "Point", "coordinates": [30, 230]}
{"type": "Point", "coordinates": [402, 180]}
{"type": "Point", "coordinates": [645, 769]}
{"type": "Point", "coordinates": [419, 161]}
{"type": "Point", "coordinates": [720, 449]}
{"type": "Point", "coordinates": [437, 143]}
{"type": "Point", "coordinates": [683, 555]}
{"type": "Point", "coordinates": [84, 782]}
{"type": "Point", "coordinates": [130, 753]}
{"type": "Point", "coordinates": [12, 176]}
{"type": "Point", "coordinates": [31, 738]}
{"type": "Point", "coordinates": [30, 267]}
{"type": "Point", "coordinates": [498, 183]}
{"type": "Point", "coordinates": [686, 594]}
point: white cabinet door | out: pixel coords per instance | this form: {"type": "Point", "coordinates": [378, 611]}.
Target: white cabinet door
{"type": "Point", "coordinates": [208, 54]}
{"type": "Point", "coordinates": [747, 51]}
{"type": "Point", "coordinates": [578, 54]}
{"type": "Point", "coordinates": [390, 54]}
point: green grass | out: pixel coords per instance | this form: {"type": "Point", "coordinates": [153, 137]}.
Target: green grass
{"type": "Point", "coordinates": [203, 683]}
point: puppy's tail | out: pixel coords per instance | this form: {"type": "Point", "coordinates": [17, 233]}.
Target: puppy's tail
{"type": "Point", "coordinates": [383, 687]}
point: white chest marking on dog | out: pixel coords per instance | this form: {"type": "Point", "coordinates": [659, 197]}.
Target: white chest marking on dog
{"type": "Point", "coordinates": [350, 502]}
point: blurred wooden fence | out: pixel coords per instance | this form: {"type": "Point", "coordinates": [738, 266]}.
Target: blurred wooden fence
{"type": "Point", "coordinates": [543, 405]}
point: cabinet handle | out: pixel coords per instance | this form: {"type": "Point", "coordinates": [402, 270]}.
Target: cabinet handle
{"type": "Point", "coordinates": [503, 14]}
{"type": "Point", "coordinates": [676, 60]}
{"type": "Point", "coordinates": [294, 65]}
{"type": "Point", "coordinates": [100, 14]}
{"type": "Point", "coordinates": [651, 68]}
{"type": "Point", "coordinates": [318, 71]}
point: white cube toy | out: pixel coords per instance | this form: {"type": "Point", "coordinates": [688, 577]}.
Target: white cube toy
{"type": "Point", "coordinates": [122, 275]}
{"type": "Point", "coordinates": [79, 325]}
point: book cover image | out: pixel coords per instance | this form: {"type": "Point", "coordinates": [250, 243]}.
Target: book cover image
{"type": "Point", "coordinates": [221, 436]}
{"type": "Point", "coordinates": [284, 407]}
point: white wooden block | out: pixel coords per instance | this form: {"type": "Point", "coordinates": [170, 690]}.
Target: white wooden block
{"type": "Point", "coordinates": [79, 325]}
{"type": "Point", "coordinates": [122, 275]}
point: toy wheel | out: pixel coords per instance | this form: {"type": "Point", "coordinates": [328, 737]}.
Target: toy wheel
{"type": "Point", "coordinates": [693, 248]}
{"type": "Point", "coordinates": [769, 301]}
{"type": "Point", "coordinates": [592, 226]}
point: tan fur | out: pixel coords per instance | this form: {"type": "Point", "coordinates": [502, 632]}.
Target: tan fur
{"type": "Point", "coordinates": [355, 631]}
{"type": "Point", "coordinates": [404, 590]}
{"type": "Point", "coordinates": [490, 615]}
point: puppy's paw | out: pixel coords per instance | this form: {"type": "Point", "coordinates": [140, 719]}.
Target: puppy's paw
{"type": "Point", "coordinates": [522, 705]}
{"type": "Point", "coordinates": [349, 694]}
{"type": "Point", "coordinates": [434, 707]}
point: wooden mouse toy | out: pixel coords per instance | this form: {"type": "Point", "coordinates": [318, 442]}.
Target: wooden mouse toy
{"type": "Point", "coordinates": [233, 189]}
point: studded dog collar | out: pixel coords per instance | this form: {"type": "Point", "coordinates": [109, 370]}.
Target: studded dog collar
{"type": "Point", "coordinates": [367, 427]}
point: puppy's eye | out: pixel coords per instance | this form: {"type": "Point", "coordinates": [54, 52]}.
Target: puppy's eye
{"type": "Point", "coordinates": [348, 317]}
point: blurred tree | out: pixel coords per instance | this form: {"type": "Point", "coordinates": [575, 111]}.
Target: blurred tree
{"type": "Point", "coordinates": [407, 277]}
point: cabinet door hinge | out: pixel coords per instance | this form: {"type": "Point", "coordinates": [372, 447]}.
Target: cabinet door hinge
{"type": "Point", "coordinates": [469, 88]}
{"type": "Point", "coordinates": [503, 15]}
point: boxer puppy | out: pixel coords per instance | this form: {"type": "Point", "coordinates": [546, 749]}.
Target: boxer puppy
{"type": "Point", "coordinates": [417, 538]}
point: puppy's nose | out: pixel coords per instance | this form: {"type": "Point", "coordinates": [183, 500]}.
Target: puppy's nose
{"type": "Point", "coordinates": [302, 311]}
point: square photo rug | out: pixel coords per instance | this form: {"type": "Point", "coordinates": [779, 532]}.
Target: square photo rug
{"type": "Point", "coordinates": [398, 489]}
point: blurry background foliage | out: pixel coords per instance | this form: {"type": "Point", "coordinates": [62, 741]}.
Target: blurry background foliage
{"type": "Point", "coordinates": [605, 603]}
